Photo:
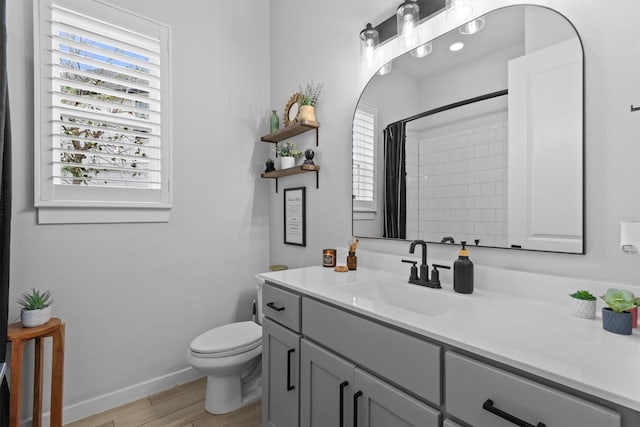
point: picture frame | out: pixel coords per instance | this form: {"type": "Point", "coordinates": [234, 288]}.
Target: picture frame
{"type": "Point", "coordinates": [295, 216]}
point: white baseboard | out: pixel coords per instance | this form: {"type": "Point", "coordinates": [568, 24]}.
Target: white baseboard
{"type": "Point", "coordinates": [98, 404]}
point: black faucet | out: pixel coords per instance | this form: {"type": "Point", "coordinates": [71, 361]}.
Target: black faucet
{"type": "Point", "coordinates": [423, 279]}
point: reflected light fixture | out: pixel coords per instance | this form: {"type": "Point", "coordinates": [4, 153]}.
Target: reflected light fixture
{"type": "Point", "coordinates": [408, 15]}
{"type": "Point", "coordinates": [422, 51]}
{"type": "Point", "coordinates": [386, 69]}
{"type": "Point", "coordinates": [458, 10]}
{"type": "Point", "coordinates": [456, 46]}
{"type": "Point", "coordinates": [369, 40]}
{"type": "Point", "coordinates": [472, 27]}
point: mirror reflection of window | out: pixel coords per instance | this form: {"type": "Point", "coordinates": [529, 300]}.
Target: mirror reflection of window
{"type": "Point", "coordinates": [364, 159]}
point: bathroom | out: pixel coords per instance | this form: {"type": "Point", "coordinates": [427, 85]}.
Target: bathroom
{"type": "Point", "coordinates": [133, 295]}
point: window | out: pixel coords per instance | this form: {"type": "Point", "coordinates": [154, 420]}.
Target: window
{"type": "Point", "coordinates": [364, 159]}
{"type": "Point", "coordinates": [102, 116]}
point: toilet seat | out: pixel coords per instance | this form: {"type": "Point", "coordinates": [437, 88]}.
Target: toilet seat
{"type": "Point", "coordinates": [227, 340]}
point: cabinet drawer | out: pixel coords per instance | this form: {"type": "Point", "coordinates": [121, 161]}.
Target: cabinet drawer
{"type": "Point", "coordinates": [471, 384]}
{"type": "Point", "coordinates": [400, 358]}
{"type": "Point", "coordinates": [449, 423]}
{"type": "Point", "coordinates": [281, 306]}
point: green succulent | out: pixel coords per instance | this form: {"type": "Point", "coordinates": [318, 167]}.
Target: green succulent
{"type": "Point", "coordinates": [288, 149]}
{"type": "Point", "coordinates": [620, 300]}
{"type": "Point", "coordinates": [583, 295]}
{"type": "Point", "coordinates": [35, 300]}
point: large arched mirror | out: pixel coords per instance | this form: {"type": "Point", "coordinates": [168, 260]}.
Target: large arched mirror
{"type": "Point", "coordinates": [484, 144]}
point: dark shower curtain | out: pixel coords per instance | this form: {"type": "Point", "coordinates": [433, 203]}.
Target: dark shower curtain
{"type": "Point", "coordinates": [5, 210]}
{"type": "Point", "coordinates": [395, 182]}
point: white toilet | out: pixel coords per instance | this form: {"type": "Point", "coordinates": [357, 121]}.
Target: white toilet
{"type": "Point", "coordinates": [230, 356]}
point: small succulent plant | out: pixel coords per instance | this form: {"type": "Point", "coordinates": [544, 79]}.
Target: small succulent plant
{"type": "Point", "coordinates": [583, 295]}
{"type": "Point", "coordinates": [620, 300]}
{"type": "Point", "coordinates": [35, 300]}
{"type": "Point", "coordinates": [288, 149]}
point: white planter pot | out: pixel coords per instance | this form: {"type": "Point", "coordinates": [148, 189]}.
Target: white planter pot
{"type": "Point", "coordinates": [32, 318]}
{"type": "Point", "coordinates": [287, 162]}
{"type": "Point", "coordinates": [583, 308]}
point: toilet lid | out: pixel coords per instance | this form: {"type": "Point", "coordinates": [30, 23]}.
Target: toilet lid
{"type": "Point", "coordinates": [228, 339]}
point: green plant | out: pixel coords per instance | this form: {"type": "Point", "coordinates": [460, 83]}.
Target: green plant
{"type": "Point", "coordinates": [620, 300]}
{"type": "Point", "coordinates": [583, 295]}
{"type": "Point", "coordinates": [310, 93]}
{"type": "Point", "coordinates": [288, 149]}
{"type": "Point", "coordinates": [35, 300]}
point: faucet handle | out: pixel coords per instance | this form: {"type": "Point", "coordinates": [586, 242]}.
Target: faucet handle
{"type": "Point", "coordinates": [414, 269]}
{"type": "Point", "coordinates": [435, 274]}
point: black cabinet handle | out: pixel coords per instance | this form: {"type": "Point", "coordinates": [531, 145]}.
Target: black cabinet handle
{"type": "Point", "coordinates": [343, 384]}
{"type": "Point", "coordinates": [289, 353]}
{"type": "Point", "coordinates": [274, 306]}
{"type": "Point", "coordinates": [355, 408]}
{"type": "Point", "coordinates": [488, 406]}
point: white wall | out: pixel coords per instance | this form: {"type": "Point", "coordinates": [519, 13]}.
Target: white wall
{"type": "Point", "coordinates": [134, 295]}
{"type": "Point", "coordinates": [328, 51]}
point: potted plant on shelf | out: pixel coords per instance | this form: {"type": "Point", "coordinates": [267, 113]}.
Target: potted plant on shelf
{"type": "Point", "coordinates": [309, 98]}
{"type": "Point", "coordinates": [288, 154]}
{"type": "Point", "coordinates": [617, 318]}
{"type": "Point", "coordinates": [36, 308]}
{"type": "Point", "coordinates": [583, 304]}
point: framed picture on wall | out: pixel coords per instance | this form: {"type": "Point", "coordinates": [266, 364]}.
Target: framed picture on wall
{"type": "Point", "coordinates": [295, 222]}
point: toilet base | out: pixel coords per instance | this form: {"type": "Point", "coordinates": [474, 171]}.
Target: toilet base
{"type": "Point", "coordinates": [226, 394]}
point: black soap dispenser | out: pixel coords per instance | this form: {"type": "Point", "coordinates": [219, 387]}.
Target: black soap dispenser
{"type": "Point", "coordinates": [463, 272]}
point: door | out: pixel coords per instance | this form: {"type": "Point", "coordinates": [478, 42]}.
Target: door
{"type": "Point", "coordinates": [379, 404]}
{"type": "Point", "coordinates": [545, 142]}
{"type": "Point", "coordinates": [280, 374]}
{"type": "Point", "coordinates": [326, 388]}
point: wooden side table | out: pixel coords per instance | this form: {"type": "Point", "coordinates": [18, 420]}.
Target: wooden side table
{"type": "Point", "coordinates": [18, 335]}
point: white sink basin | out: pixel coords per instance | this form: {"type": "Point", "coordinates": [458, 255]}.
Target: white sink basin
{"type": "Point", "coordinates": [414, 298]}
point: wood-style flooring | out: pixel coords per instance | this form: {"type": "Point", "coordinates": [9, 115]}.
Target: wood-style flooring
{"type": "Point", "coordinates": [180, 406]}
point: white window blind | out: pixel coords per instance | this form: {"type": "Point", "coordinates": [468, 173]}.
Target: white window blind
{"type": "Point", "coordinates": [364, 158]}
{"type": "Point", "coordinates": [103, 121]}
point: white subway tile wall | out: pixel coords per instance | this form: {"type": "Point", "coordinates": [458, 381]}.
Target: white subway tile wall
{"type": "Point", "coordinates": [457, 183]}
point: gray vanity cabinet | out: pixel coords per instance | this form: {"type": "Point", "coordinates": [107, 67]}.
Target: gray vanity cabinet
{"type": "Point", "coordinates": [326, 388]}
{"type": "Point", "coordinates": [280, 372]}
{"type": "Point", "coordinates": [486, 396]}
{"type": "Point", "coordinates": [382, 405]}
{"type": "Point", "coordinates": [331, 388]}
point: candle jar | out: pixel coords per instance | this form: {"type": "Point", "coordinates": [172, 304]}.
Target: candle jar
{"type": "Point", "coordinates": [328, 257]}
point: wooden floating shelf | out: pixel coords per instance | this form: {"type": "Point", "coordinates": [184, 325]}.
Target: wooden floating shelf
{"type": "Point", "coordinates": [293, 130]}
{"type": "Point", "coordinates": [292, 171]}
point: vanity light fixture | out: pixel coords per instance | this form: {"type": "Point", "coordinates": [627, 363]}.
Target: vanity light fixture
{"type": "Point", "coordinates": [456, 46]}
{"type": "Point", "coordinates": [472, 27]}
{"type": "Point", "coordinates": [369, 41]}
{"type": "Point", "coordinates": [422, 51]}
{"type": "Point", "coordinates": [408, 15]}
{"type": "Point", "coordinates": [458, 10]}
{"type": "Point", "coordinates": [386, 69]}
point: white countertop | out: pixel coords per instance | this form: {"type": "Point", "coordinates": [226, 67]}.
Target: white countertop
{"type": "Point", "coordinates": [536, 335]}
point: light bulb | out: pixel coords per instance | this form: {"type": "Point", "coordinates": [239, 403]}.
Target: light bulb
{"type": "Point", "coordinates": [422, 51]}
{"type": "Point", "coordinates": [458, 10]}
{"type": "Point", "coordinates": [472, 27]}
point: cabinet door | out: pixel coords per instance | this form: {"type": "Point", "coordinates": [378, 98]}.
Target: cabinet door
{"type": "Point", "coordinates": [378, 404]}
{"type": "Point", "coordinates": [280, 375]}
{"type": "Point", "coordinates": [326, 388]}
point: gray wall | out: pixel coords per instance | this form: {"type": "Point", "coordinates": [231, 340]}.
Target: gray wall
{"type": "Point", "coordinates": [133, 296]}
{"type": "Point", "coordinates": [329, 52]}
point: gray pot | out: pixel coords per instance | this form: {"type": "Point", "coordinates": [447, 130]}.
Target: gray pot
{"type": "Point", "coordinates": [618, 323]}
{"type": "Point", "coordinates": [33, 318]}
